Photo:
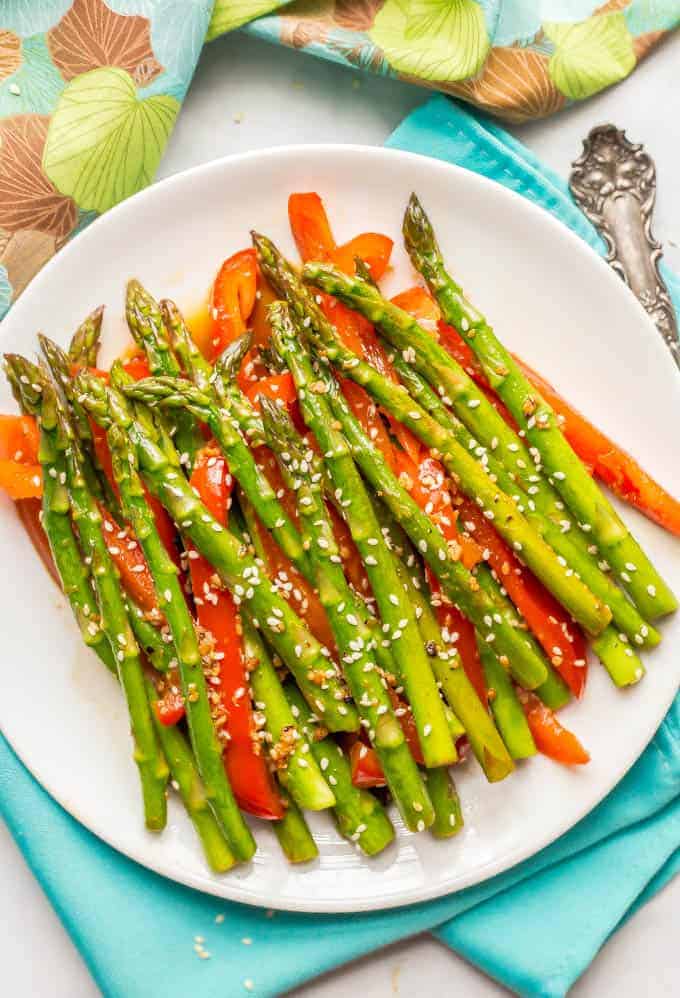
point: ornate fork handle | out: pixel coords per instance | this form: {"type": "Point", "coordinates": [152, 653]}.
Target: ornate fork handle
{"type": "Point", "coordinates": [614, 184]}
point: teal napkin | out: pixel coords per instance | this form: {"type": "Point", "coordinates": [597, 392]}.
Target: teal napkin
{"type": "Point", "coordinates": [136, 930]}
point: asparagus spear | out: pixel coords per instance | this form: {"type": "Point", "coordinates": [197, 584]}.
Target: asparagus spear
{"type": "Point", "coordinates": [448, 819]}
{"type": "Point", "coordinates": [293, 834]}
{"type": "Point", "coordinates": [535, 417]}
{"type": "Point", "coordinates": [459, 585]}
{"type": "Point", "coordinates": [179, 394]}
{"type": "Point", "coordinates": [484, 739]}
{"type": "Point", "coordinates": [289, 750]}
{"type": "Point", "coordinates": [114, 621]}
{"type": "Point", "coordinates": [96, 481]}
{"type": "Point", "coordinates": [505, 706]}
{"type": "Point", "coordinates": [145, 322]}
{"type": "Point", "coordinates": [582, 561]}
{"type": "Point", "coordinates": [37, 396]}
{"type": "Point", "coordinates": [187, 781]}
{"type": "Point", "coordinates": [301, 652]}
{"type": "Point", "coordinates": [398, 618]}
{"type": "Point", "coordinates": [554, 692]}
{"type": "Point", "coordinates": [472, 478]}
{"type": "Point", "coordinates": [612, 648]}
{"type": "Point", "coordinates": [190, 357]}
{"type": "Point", "coordinates": [75, 577]}
{"type": "Point", "coordinates": [84, 346]}
{"type": "Point", "coordinates": [302, 471]}
{"type": "Point", "coordinates": [358, 814]}
{"type": "Point", "coordinates": [172, 603]}
{"type": "Point", "coordinates": [160, 653]}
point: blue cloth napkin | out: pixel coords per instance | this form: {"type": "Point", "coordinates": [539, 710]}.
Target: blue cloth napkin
{"type": "Point", "coordinates": [136, 930]}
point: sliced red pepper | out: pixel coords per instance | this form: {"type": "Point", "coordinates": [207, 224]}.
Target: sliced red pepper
{"type": "Point", "coordinates": [310, 227]}
{"type": "Point", "coordinates": [365, 766]}
{"type": "Point", "coordinates": [418, 302]}
{"type": "Point", "coordinates": [247, 769]}
{"type": "Point", "coordinates": [363, 407]}
{"type": "Point", "coordinates": [19, 439]}
{"type": "Point", "coordinates": [20, 472]}
{"type": "Point", "coordinates": [428, 485]}
{"type": "Point", "coordinates": [170, 707]}
{"type": "Point", "coordinates": [551, 737]}
{"type": "Point", "coordinates": [129, 559]}
{"type": "Point", "coordinates": [552, 626]}
{"type": "Point", "coordinates": [314, 238]}
{"type": "Point", "coordinates": [233, 298]}
{"type": "Point", "coordinates": [372, 248]}
{"type": "Point", "coordinates": [137, 366]}
{"type": "Point", "coordinates": [21, 481]}
{"type": "Point", "coordinates": [279, 387]}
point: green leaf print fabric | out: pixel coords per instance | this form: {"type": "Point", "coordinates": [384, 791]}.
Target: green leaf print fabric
{"type": "Point", "coordinates": [90, 89]}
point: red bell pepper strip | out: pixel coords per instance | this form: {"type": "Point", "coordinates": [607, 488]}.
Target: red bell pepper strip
{"type": "Point", "coordinates": [372, 248]}
{"type": "Point", "coordinates": [365, 766]}
{"type": "Point", "coordinates": [128, 558]}
{"type": "Point", "coordinates": [427, 484]}
{"type": "Point", "coordinates": [233, 298]}
{"type": "Point", "coordinates": [279, 387]}
{"type": "Point", "coordinates": [19, 439]}
{"type": "Point", "coordinates": [551, 737]}
{"type": "Point", "coordinates": [21, 481]}
{"type": "Point", "coordinates": [170, 708]}
{"type": "Point", "coordinates": [363, 407]}
{"type": "Point", "coordinates": [310, 227]}
{"type": "Point", "coordinates": [20, 471]}
{"type": "Point", "coordinates": [560, 638]}
{"type": "Point", "coordinates": [314, 239]}
{"type": "Point", "coordinates": [137, 366]}
{"type": "Point", "coordinates": [247, 769]}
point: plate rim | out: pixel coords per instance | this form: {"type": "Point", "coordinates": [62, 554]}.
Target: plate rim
{"type": "Point", "coordinates": [225, 888]}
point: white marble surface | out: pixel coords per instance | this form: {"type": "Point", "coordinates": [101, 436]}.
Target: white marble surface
{"type": "Point", "coordinates": [247, 95]}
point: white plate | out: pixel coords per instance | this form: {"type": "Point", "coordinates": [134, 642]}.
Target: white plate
{"type": "Point", "coordinates": [550, 298]}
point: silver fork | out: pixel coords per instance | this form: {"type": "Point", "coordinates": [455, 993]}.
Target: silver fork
{"type": "Point", "coordinates": [614, 184]}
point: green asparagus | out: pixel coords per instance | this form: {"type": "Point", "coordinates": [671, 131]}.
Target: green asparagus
{"type": "Point", "coordinates": [505, 706]}
{"type": "Point", "coordinates": [399, 623]}
{"type": "Point", "coordinates": [359, 815]}
{"type": "Point", "coordinates": [289, 750]}
{"type": "Point", "coordinates": [301, 652]}
{"type": "Point", "coordinates": [146, 325]}
{"type": "Point", "coordinates": [594, 512]}
{"type": "Point", "coordinates": [302, 471]}
{"type": "Point", "coordinates": [473, 479]}
{"type": "Point", "coordinates": [84, 346]}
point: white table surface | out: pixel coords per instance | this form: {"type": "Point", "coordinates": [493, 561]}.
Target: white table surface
{"type": "Point", "coordinates": [248, 95]}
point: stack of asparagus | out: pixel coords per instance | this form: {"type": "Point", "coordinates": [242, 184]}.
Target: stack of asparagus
{"type": "Point", "coordinates": [312, 707]}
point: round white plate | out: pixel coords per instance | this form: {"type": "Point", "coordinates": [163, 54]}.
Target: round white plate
{"type": "Point", "coordinates": [550, 298]}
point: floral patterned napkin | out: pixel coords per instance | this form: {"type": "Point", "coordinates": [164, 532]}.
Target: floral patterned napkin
{"type": "Point", "coordinates": [90, 89]}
